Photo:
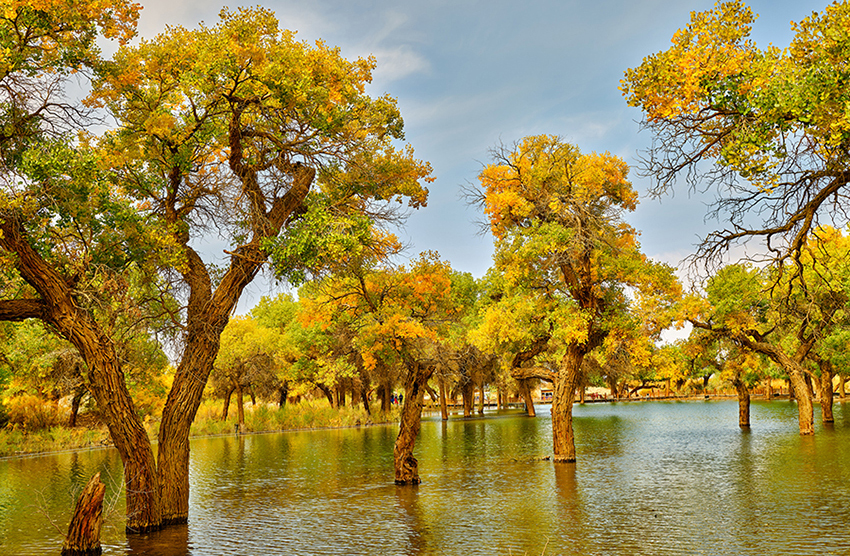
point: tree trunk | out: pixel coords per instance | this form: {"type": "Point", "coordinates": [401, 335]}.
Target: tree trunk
{"type": "Point", "coordinates": [84, 530]}
{"type": "Point", "coordinates": [59, 308]}
{"type": "Point", "coordinates": [77, 398]}
{"type": "Point", "coordinates": [768, 388]}
{"type": "Point", "coordinates": [825, 388]}
{"type": "Point", "coordinates": [226, 410]}
{"type": "Point", "coordinates": [841, 391]}
{"type": "Point", "coordinates": [467, 392]}
{"type": "Point", "coordinates": [406, 466]}
{"type": "Point", "coordinates": [327, 392]}
{"type": "Point", "coordinates": [481, 399]}
{"type": "Point", "coordinates": [364, 398]}
{"type": "Point", "coordinates": [563, 397]}
{"type": "Point", "coordinates": [283, 394]}
{"type": "Point", "coordinates": [743, 403]}
{"type": "Point", "coordinates": [525, 392]}
{"type": "Point", "coordinates": [444, 406]}
{"type": "Point", "coordinates": [240, 406]}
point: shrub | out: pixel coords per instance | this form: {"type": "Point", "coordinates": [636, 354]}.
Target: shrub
{"type": "Point", "coordinates": [30, 412]}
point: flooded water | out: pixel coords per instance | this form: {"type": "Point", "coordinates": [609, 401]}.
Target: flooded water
{"type": "Point", "coordinates": [652, 478]}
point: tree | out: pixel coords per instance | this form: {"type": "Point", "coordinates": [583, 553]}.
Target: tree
{"type": "Point", "coordinates": [235, 128]}
{"type": "Point", "coordinates": [401, 315]}
{"type": "Point", "coordinates": [556, 215]}
{"type": "Point", "coordinates": [784, 328]}
{"type": "Point", "coordinates": [767, 126]}
{"type": "Point", "coordinates": [247, 359]}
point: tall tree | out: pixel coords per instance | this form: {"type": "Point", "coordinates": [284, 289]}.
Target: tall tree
{"type": "Point", "coordinates": [556, 215]}
{"type": "Point", "coordinates": [223, 128]}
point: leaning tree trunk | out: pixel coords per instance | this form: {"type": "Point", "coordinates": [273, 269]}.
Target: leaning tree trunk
{"type": "Point", "coordinates": [226, 410]}
{"type": "Point", "coordinates": [406, 466]}
{"type": "Point", "coordinates": [179, 413]}
{"type": "Point", "coordinates": [59, 308]}
{"type": "Point", "coordinates": [107, 385]}
{"type": "Point", "coordinates": [563, 397]}
{"type": "Point", "coordinates": [743, 403]}
{"type": "Point", "coordinates": [525, 392]}
{"type": "Point", "coordinates": [84, 530]}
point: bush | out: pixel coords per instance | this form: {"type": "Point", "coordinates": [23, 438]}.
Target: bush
{"type": "Point", "coordinates": [32, 413]}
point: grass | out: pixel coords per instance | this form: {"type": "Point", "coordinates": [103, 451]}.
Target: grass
{"type": "Point", "coordinates": [314, 414]}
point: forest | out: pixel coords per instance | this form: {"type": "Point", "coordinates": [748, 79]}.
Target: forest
{"type": "Point", "coordinates": [114, 315]}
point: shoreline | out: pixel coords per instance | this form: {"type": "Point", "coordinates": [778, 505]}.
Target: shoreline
{"type": "Point", "coordinates": [430, 410]}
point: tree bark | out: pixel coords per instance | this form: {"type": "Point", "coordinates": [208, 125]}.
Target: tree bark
{"type": "Point", "coordinates": [467, 392]}
{"type": "Point", "coordinates": [842, 393]}
{"type": "Point", "coordinates": [76, 399]}
{"type": "Point", "coordinates": [84, 530]}
{"type": "Point", "coordinates": [743, 403]}
{"type": "Point", "coordinates": [481, 399]}
{"type": "Point", "coordinates": [444, 406]}
{"type": "Point", "coordinates": [825, 391]}
{"type": "Point", "coordinates": [406, 466]}
{"type": "Point", "coordinates": [563, 397]}
{"type": "Point", "coordinates": [240, 406]}
{"type": "Point", "coordinates": [64, 313]}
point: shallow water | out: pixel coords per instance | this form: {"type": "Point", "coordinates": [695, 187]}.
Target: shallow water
{"type": "Point", "coordinates": [652, 478]}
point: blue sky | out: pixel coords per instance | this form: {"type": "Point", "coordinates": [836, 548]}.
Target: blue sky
{"type": "Point", "coordinates": [468, 74]}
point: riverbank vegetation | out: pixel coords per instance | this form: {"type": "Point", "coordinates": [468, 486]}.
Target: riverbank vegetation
{"type": "Point", "coordinates": [112, 317]}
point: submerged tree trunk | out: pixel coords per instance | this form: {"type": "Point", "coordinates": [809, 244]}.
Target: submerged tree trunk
{"type": "Point", "coordinates": [825, 391]}
{"type": "Point", "coordinates": [481, 399]}
{"type": "Point", "coordinates": [563, 397]}
{"type": "Point", "coordinates": [59, 308]}
{"type": "Point", "coordinates": [406, 466]}
{"type": "Point", "coordinates": [84, 530]}
{"type": "Point", "coordinates": [444, 406]}
{"type": "Point", "coordinates": [467, 392]}
{"type": "Point", "coordinates": [743, 402]}
{"type": "Point", "coordinates": [207, 314]}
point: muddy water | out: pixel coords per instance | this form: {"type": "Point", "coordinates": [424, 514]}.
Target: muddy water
{"type": "Point", "coordinates": [652, 478]}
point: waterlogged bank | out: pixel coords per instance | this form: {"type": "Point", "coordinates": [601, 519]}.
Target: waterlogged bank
{"type": "Point", "coordinates": [652, 478]}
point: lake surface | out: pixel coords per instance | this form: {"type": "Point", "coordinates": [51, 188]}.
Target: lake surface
{"type": "Point", "coordinates": [652, 478]}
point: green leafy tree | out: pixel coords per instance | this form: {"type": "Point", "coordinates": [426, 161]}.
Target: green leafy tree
{"type": "Point", "coordinates": [556, 215]}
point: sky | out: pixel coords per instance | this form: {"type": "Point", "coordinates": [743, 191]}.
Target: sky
{"type": "Point", "coordinates": [470, 74]}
